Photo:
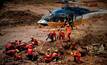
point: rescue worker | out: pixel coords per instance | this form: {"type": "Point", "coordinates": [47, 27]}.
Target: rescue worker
{"type": "Point", "coordinates": [29, 46]}
{"type": "Point", "coordinates": [30, 53]}
{"type": "Point", "coordinates": [68, 31]}
{"type": "Point", "coordinates": [34, 40]}
{"type": "Point", "coordinates": [61, 52]}
{"type": "Point", "coordinates": [68, 18]}
{"type": "Point", "coordinates": [18, 42]}
{"type": "Point", "coordinates": [61, 35]}
{"type": "Point", "coordinates": [23, 46]}
{"type": "Point", "coordinates": [77, 56]}
{"type": "Point", "coordinates": [55, 55]}
{"type": "Point", "coordinates": [11, 52]}
{"type": "Point", "coordinates": [52, 36]}
{"type": "Point", "coordinates": [9, 46]}
{"type": "Point", "coordinates": [35, 55]}
{"type": "Point", "coordinates": [18, 57]}
{"type": "Point", "coordinates": [48, 57]}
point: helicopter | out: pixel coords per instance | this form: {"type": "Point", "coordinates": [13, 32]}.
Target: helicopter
{"type": "Point", "coordinates": [62, 13]}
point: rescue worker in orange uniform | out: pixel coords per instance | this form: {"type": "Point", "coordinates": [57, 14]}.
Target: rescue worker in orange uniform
{"type": "Point", "coordinates": [68, 31]}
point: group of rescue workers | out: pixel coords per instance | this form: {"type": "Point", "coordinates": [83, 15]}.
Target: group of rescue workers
{"type": "Point", "coordinates": [14, 49]}
{"type": "Point", "coordinates": [61, 34]}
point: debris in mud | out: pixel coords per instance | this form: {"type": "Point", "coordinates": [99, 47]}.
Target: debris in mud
{"type": "Point", "coordinates": [93, 39]}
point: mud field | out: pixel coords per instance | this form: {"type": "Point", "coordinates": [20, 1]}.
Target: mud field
{"type": "Point", "coordinates": [20, 23]}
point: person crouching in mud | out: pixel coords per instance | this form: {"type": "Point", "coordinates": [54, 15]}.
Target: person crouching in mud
{"type": "Point", "coordinates": [52, 36]}
{"type": "Point", "coordinates": [77, 56]}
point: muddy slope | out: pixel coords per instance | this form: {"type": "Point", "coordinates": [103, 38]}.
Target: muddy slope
{"type": "Point", "coordinates": [18, 17]}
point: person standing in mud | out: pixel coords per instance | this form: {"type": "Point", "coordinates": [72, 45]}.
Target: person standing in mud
{"type": "Point", "coordinates": [61, 35]}
{"type": "Point", "coordinates": [52, 36]}
{"type": "Point", "coordinates": [77, 56]}
{"type": "Point", "coordinates": [68, 31]}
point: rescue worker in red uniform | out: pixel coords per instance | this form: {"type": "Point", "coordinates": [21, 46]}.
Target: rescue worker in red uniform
{"type": "Point", "coordinates": [18, 57]}
{"type": "Point", "coordinates": [77, 56]}
{"type": "Point", "coordinates": [30, 53]}
{"type": "Point", "coordinates": [11, 52]}
{"type": "Point", "coordinates": [48, 57]}
{"type": "Point", "coordinates": [56, 55]}
{"type": "Point", "coordinates": [9, 46]}
{"type": "Point", "coordinates": [34, 40]}
{"type": "Point", "coordinates": [68, 31]}
{"type": "Point", "coordinates": [18, 42]}
{"type": "Point", "coordinates": [61, 35]}
{"type": "Point", "coordinates": [52, 36]}
{"type": "Point", "coordinates": [29, 46]}
{"type": "Point", "coordinates": [23, 46]}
